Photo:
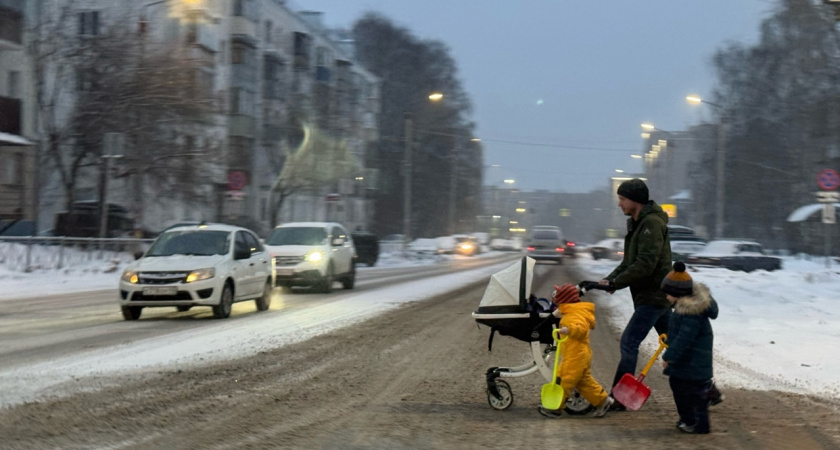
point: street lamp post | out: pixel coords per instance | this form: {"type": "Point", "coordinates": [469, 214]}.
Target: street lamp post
{"type": "Point", "coordinates": [720, 189]}
{"type": "Point", "coordinates": [407, 181]}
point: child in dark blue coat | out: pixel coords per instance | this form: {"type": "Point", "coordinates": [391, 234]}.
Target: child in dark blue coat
{"type": "Point", "coordinates": [688, 359]}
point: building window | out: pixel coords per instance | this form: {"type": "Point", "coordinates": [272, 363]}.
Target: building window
{"type": "Point", "coordinates": [89, 23]}
{"type": "Point", "coordinates": [12, 169]}
{"type": "Point", "coordinates": [13, 88]}
{"type": "Point", "coordinates": [268, 29]}
{"type": "Point", "coordinates": [272, 73]}
{"type": "Point", "coordinates": [241, 53]}
{"type": "Point", "coordinates": [242, 101]}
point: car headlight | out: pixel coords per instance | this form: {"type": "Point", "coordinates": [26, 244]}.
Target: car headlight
{"type": "Point", "coordinates": [315, 257]}
{"type": "Point", "coordinates": [130, 276]}
{"type": "Point", "coordinates": [201, 274]}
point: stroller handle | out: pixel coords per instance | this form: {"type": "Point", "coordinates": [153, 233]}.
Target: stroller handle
{"type": "Point", "coordinates": [593, 285]}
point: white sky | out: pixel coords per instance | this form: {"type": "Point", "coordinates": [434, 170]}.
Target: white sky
{"type": "Point", "coordinates": [776, 330]}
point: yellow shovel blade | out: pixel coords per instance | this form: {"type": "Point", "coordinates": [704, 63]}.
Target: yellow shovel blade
{"type": "Point", "coordinates": [551, 396]}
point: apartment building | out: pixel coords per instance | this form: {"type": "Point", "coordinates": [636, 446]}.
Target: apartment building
{"type": "Point", "coordinates": [281, 89]}
{"type": "Point", "coordinates": [17, 118]}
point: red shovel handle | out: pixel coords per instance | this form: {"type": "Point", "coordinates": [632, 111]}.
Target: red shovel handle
{"type": "Point", "coordinates": [662, 346]}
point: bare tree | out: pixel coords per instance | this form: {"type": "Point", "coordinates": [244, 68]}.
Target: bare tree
{"type": "Point", "coordinates": [103, 79]}
{"type": "Point", "coordinates": [316, 162]}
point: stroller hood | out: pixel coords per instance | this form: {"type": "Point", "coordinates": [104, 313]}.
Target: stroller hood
{"type": "Point", "coordinates": [508, 289]}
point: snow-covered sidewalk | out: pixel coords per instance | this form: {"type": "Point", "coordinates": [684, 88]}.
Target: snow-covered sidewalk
{"type": "Point", "coordinates": [776, 330]}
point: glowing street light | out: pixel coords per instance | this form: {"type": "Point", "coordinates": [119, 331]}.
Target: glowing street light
{"type": "Point", "coordinates": [721, 163]}
{"type": "Point", "coordinates": [647, 126]}
{"type": "Point", "coordinates": [435, 96]}
{"type": "Point", "coordinates": [636, 156]}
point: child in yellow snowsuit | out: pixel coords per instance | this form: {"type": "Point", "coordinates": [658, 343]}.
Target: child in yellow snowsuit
{"type": "Point", "coordinates": [576, 319]}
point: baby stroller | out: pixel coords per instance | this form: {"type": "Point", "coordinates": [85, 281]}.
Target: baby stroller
{"type": "Point", "coordinates": [509, 308]}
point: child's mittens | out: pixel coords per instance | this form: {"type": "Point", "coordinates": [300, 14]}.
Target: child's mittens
{"type": "Point", "coordinates": [563, 330]}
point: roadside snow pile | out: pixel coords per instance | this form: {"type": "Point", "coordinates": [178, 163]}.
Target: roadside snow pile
{"type": "Point", "coordinates": [776, 330]}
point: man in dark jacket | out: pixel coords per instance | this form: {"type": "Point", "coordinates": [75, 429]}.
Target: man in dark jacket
{"type": "Point", "coordinates": [647, 259]}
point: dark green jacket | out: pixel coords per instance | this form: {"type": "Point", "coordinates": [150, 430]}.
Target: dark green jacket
{"type": "Point", "coordinates": [647, 257]}
{"type": "Point", "coordinates": [690, 336]}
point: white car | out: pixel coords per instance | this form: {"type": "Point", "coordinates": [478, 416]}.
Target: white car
{"type": "Point", "coordinates": [198, 265]}
{"type": "Point", "coordinates": [314, 254]}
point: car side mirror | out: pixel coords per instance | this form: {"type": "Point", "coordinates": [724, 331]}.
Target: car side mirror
{"type": "Point", "coordinates": [337, 242]}
{"type": "Point", "coordinates": [137, 255]}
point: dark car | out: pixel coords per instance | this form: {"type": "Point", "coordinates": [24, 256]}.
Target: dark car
{"type": "Point", "coordinates": [367, 248]}
{"type": "Point", "coordinates": [734, 254]}
{"type": "Point", "coordinates": [571, 250]}
{"type": "Point", "coordinates": [612, 248]}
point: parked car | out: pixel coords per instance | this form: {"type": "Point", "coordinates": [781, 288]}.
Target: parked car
{"type": "Point", "coordinates": [681, 250]}
{"type": "Point", "coordinates": [546, 243]}
{"type": "Point", "coordinates": [734, 254]}
{"type": "Point", "coordinates": [313, 254]}
{"type": "Point", "coordinates": [198, 265]}
{"type": "Point", "coordinates": [684, 242]}
{"type": "Point", "coordinates": [367, 248]}
{"type": "Point", "coordinates": [506, 245]}
{"type": "Point", "coordinates": [612, 248]}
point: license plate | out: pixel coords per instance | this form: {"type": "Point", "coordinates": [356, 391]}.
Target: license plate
{"type": "Point", "coordinates": [285, 272]}
{"type": "Point", "coordinates": [160, 290]}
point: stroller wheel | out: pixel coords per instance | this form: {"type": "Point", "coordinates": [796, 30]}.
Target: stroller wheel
{"type": "Point", "coordinates": [505, 394]}
{"type": "Point", "coordinates": [576, 405]}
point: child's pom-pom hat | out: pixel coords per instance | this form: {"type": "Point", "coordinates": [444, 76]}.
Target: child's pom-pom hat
{"type": "Point", "coordinates": [678, 283]}
{"type": "Point", "coordinates": [567, 293]}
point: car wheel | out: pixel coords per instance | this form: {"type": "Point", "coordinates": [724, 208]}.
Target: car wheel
{"type": "Point", "coordinates": [222, 310]}
{"type": "Point", "coordinates": [350, 280]}
{"type": "Point", "coordinates": [183, 308]}
{"type": "Point", "coordinates": [327, 281]}
{"type": "Point", "coordinates": [264, 300]}
{"type": "Point", "coordinates": [131, 312]}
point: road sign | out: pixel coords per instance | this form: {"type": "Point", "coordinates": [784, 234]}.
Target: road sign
{"type": "Point", "coordinates": [237, 180]}
{"type": "Point", "coordinates": [670, 210]}
{"type": "Point", "coordinates": [828, 214]}
{"type": "Point", "coordinates": [828, 197]}
{"type": "Point", "coordinates": [828, 179]}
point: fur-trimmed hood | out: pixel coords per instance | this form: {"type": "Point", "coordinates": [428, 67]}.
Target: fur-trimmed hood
{"type": "Point", "coordinates": [699, 303]}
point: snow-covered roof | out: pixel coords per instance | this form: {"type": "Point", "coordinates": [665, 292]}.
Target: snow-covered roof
{"type": "Point", "coordinates": [13, 139]}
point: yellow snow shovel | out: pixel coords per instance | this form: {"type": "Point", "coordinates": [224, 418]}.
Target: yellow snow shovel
{"type": "Point", "coordinates": [552, 393]}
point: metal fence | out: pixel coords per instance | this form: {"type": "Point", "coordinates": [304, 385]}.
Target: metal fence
{"type": "Point", "coordinates": [29, 253]}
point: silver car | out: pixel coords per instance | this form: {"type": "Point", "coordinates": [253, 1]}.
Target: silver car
{"type": "Point", "coordinates": [546, 243]}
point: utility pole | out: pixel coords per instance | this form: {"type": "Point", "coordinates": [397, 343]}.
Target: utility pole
{"type": "Point", "coordinates": [111, 143]}
{"type": "Point", "coordinates": [407, 182]}
{"type": "Point", "coordinates": [720, 202]}
{"type": "Point", "coordinates": [453, 184]}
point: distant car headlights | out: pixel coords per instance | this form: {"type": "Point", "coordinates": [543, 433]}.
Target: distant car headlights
{"type": "Point", "coordinates": [315, 257]}
{"type": "Point", "coordinates": [201, 274]}
{"type": "Point", "coordinates": [130, 276]}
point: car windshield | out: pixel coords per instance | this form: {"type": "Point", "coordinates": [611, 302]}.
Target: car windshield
{"type": "Point", "coordinates": [297, 236]}
{"type": "Point", "coordinates": [191, 242]}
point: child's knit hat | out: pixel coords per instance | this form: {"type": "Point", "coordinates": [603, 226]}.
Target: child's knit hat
{"type": "Point", "coordinates": [678, 283]}
{"type": "Point", "coordinates": [567, 293]}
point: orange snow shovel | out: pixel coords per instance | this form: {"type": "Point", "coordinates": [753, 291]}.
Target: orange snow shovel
{"type": "Point", "coordinates": [551, 395]}
{"type": "Point", "coordinates": [630, 391]}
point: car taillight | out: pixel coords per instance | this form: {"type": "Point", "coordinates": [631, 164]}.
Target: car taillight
{"type": "Point", "coordinates": [530, 248]}
{"type": "Point", "coordinates": [560, 249]}
{"type": "Point", "coordinates": [570, 244]}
